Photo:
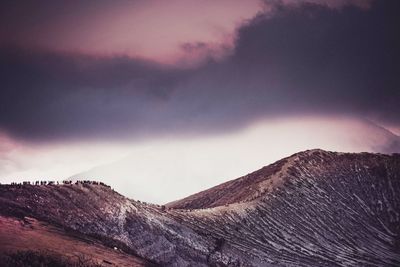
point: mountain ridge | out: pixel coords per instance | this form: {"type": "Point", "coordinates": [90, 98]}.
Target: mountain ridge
{"type": "Point", "coordinates": [218, 161]}
{"type": "Point", "coordinates": [324, 209]}
{"type": "Point", "coordinates": [266, 179]}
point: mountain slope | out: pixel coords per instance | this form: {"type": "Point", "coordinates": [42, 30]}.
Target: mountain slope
{"type": "Point", "coordinates": [178, 172]}
{"type": "Point", "coordinates": [268, 178]}
{"type": "Point", "coordinates": [33, 235]}
{"type": "Point", "coordinates": [243, 189]}
{"type": "Point", "coordinates": [328, 209]}
{"type": "Point", "coordinates": [315, 208]}
{"type": "Point", "coordinates": [100, 212]}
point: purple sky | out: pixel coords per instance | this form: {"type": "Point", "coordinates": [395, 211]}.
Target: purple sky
{"type": "Point", "coordinates": [112, 76]}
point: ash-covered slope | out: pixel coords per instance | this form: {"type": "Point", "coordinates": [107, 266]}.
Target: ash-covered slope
{"type": "Point", "coordinates": [314, 208]}
{"type": "Point", "coordinates": [43, 240]}
{"type": "Point", "coordinates": [321, 209]}
{"type": "Point", "coordinates": [98, 211]}
{"type": "Point", "coordinates": [269, 178]}
{"type": "Point", "coordinates": [243, 189]}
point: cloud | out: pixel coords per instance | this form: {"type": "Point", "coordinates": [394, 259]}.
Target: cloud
{"type": "Point", "coordinates": [307, 59]}
{"type": "Point", "coordinates": [327, 60]}
{"type": "Point", "coordinates": [148, 29]}
{"type": "Point", "coordinates": [49, 95]}
{"type": "Point", "coordinates": [336, 4]}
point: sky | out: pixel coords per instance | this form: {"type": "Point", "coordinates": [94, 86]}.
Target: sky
{"type": "Point", "coordinates": [88, 87]}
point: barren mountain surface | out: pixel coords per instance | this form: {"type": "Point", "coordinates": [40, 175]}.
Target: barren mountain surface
{"type": "Point", "coordinates": [29, 234]}
{"type": "Point", "coordinates": [314, 208]}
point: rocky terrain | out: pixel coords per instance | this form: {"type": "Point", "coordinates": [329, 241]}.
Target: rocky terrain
{"type": "Point", "coordinates": [314, 208]}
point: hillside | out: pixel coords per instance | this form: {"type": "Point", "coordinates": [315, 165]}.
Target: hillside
{"type": "Point", "coordinates": [283, 172]}
{"type": "Point", "coordinates": [314, 208]}
{"type": "Point", "coordinates": [179, 172]}
{"type": "Point", "coordinates": [240, 190]}
{"type": "Point", "coordinates": [33, 235]}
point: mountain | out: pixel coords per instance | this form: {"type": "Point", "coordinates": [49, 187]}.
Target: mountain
{"type": "Point", "coordinates": [183, 167]}
{"type": "Point", "coordinates": [314, 208]}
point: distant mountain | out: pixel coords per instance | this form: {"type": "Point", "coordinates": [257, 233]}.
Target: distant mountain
{"type": "Point", "coordinates": [314, 208]}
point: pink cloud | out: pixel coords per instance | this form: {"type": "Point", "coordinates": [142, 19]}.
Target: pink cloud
{"type": "Point", "coordinates": [153, 29]}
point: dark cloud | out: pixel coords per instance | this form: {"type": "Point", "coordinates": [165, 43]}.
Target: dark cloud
{"type": "Point", "coordinates": [303, 59]}
{"type": "Point", "coordinates": [330, 59]}
{"type": "Point", "coordinates": [194, 47]}
{"type": "Point", "coordinates": [54, 95]}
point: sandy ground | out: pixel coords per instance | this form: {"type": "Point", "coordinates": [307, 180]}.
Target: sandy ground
{"type": "Point", "coordinates": [30, 234]}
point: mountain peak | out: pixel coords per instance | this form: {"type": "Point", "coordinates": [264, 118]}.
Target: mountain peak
{"type": "Point", "coordinates": [267, 179]}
